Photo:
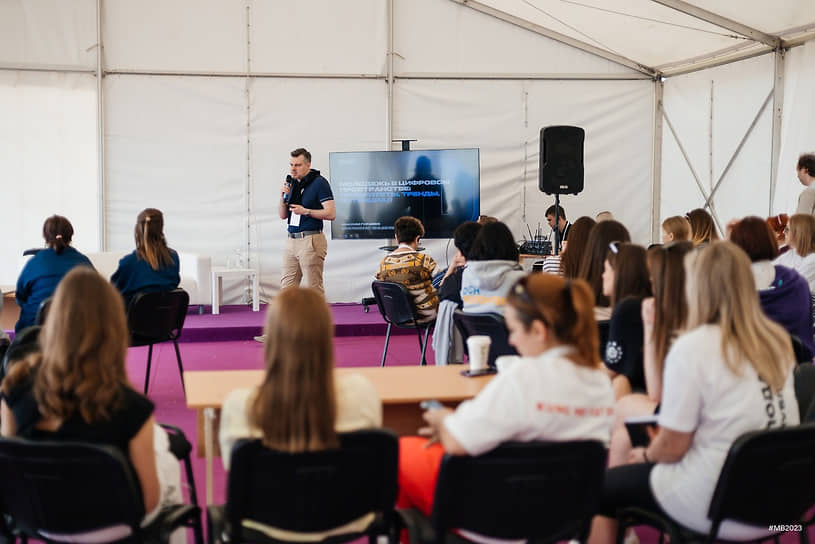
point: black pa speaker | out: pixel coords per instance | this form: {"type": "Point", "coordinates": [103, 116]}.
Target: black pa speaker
{"type": "Point", "coordinates": [561, 160]}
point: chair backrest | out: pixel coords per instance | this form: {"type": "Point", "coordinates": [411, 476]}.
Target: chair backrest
{"type": "Point", "coordinates": [313, 491]}
{"type": "Point", "coordinates": [541, 490]}
{"type": "Point", "coordinates": [24, 344]}
{"type": "Point", "coordinates": [394, 302]}
{"type": "Point", "coordinates": [67, 487]}
{"type": "Point", "coordinates": [158, 315]}
{"type": "Point", "coordinates": [767, 476]}
{"type": "Point", "coordinates": [603, 327]}
{"type": "Point", "coordinates": [488, 324]}
{"type": "Point", "coordinates": [42, 311]}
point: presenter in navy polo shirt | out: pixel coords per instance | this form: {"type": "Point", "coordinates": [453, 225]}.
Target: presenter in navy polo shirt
{"type": "Point", "coordinates": [306, 201]}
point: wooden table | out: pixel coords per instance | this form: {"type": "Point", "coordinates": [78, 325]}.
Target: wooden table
{"type": "Point", "coordinates": [401, 388]}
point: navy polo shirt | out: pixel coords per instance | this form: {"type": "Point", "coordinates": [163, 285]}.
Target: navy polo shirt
{"type": "Point", "coordinates": [310, 192]}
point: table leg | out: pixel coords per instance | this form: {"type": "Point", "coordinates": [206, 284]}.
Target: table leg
{"type": "Point", "coordinates": [255, 293]}
{"type": "Point", "coordinates": [209, 417]}
{"type": "Point", "coordinates": [216, 295]}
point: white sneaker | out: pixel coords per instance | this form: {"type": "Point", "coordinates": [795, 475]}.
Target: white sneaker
{"type": "Point", "coordinates": [261, 338]}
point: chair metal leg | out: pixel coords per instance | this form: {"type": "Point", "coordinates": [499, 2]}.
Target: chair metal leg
{"type": "Point", "coordinates": [424, 346]}
{"type": "Point", "coordinates": [149, 361]}
{"type": "Point", "coordinates": [421, 346]}
{"type": "Point", "coordinates": [180, 367]}
{"type": "Point", "coordinates": [387, 339]}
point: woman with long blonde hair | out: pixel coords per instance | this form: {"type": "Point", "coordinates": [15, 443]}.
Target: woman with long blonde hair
{"type": "Point", "coordinates": [729, 374]}
{"type": "Point", "coordinates": [302, 403]}
{"type": "Point", "coordinates": [800, 231]}
{"type": "Point", "coordinates": [152, 266]}
{"type": "Point", "coordinates": [702, 227]}
{"type": "Point", "coordinates": [77, 390]}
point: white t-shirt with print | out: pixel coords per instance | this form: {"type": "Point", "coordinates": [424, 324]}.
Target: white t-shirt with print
{"type": "Point", "coordinates": [701, 395]}
{"type": "Point", "coordinates": [538, 398]}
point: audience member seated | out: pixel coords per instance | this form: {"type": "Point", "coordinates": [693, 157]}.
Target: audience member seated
{"type": "Point", "coordinates": [573, 252]}
{"type": "Point", "coordinates": [301, 404]}
{"type": "Point", "coordinates": [663, 317]}
{"type": "Point", "coordinates": [557, 390]}
{"type": "Point", "coordinates": [801, 242]}
{"type": "Point", "coordinates": [447, 342]}
{"type": "Point", "coordinates": [731, 373]}
{"type": "Point", "coordinates": [492, 269]}
{"type": "Point", "coordinates": [578, 235]}
{"type": "Point", "coordinates": [414, 270]}
{"type": "Point", "coordinates": [604, 216]}
{"type": "Point", "coordinates": [779, 225]}
{"type": "Point", "coordinates": [702, 228]}
{"type": "Point", "coordinates": [463, 238]}
{"type": "Point", "coordinates": [77, 390]}
{"type": "Point", "coordinates": [43, 271]}
{"type": "Point", "coordinates": [784, 293]}
{"type": "Point", "coordinates": [152, 266]}
{"type": "Point", "coordinates": [593, 261]}
{"type": "Point", "coordinates": [675, 229]}
{"type": "Point", "coordinates": [626, 283]}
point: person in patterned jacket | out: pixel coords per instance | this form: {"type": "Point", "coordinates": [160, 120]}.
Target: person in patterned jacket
{"type": "Point", "coordinates": [414, 270]}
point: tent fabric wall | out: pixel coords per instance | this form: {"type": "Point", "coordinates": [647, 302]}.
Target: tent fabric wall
{"type": "Point", "coordinates": [47, 160]}
{"type": "Point", "coordinates": [711, 111]}
{"type": "Point", "coordinates": [798, 128]}
{"type": "Point", "coordinates": [203, 100]}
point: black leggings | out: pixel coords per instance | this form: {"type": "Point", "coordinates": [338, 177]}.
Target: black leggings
{"type": "Point", "coordinates": [625, 486]}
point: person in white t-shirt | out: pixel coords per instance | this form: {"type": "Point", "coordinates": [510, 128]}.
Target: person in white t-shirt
{"type": "Point", "coordinates": [555, 391]}
{"type": "Point", "coordinates": [800, 233]}
{"type": "Point", "coordinates": [301, 404]}
{"type": "Point", "coordinates": [731, 373]}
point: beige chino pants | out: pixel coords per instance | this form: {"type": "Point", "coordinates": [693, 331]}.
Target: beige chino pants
{"type": "Point", "coordinates": [304, 259]}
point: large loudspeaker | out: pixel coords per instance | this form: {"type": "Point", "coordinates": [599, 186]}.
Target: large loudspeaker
{"type": "Point", "coordinates": [561, 160]}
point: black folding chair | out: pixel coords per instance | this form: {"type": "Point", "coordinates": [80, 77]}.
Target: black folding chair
{"type": "Point", "coordinates": [42, 311]}
{"type": "Point", "coordinates": [157, 317]}
{"type": "Point", "coordinates": [71, 488]}
{"type": "Point", "coordinates": [181, 449]}
{"type": "Point", "coordinates": [396, 306]}
{"type": "Point", "coordinates": [24, 344]}
{"type": "Point", "coordinates": [541, 491]}
{"type": "Point", "coordinates": [312, 491]}
{"type": "Point", "coordinates": [766, 480]}
{"type": "Point", "coordinates": [488, 324]}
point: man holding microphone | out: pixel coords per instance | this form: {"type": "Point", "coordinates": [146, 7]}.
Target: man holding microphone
{"type": "Point", "coordinates": [306, 200]}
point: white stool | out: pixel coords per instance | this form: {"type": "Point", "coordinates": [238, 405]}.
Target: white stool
{"type": "Point", "coordinates": [221, 272]}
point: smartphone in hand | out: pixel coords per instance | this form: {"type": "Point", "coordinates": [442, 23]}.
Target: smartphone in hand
{"type": "Point", "coordinates": [430, 405]}
{"type": "Point", "coordinates": [637, 428]}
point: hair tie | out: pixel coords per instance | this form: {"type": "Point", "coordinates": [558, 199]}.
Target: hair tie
{"type": "Point", "coordinates": [59, 237]}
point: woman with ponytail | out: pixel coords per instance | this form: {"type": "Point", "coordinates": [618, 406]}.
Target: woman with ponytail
{"type": "Point", "coordinates": [557, 390]}
{"type": "Point", "coordinates": [152, 266]}
{"type": "Point", "coordinates": [43, 272]}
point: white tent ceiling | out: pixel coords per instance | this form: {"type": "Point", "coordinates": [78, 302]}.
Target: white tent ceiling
{"type": "Point", "coordinates": [663, 36]}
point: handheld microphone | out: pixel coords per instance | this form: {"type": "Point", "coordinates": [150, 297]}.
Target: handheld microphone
{"type": "Point", "coordinates": [287, 196]}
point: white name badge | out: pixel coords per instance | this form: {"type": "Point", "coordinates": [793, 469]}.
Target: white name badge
{"type": "Point", "coordinates": [294, 221]}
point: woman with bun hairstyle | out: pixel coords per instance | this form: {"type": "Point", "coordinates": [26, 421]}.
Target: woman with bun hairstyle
{"type": "Point", "coordinates": [152, 266]}
{"type": "Point", "coordinates": [557, 390]}
{"type": "Point", "coordinates": [43, 271]}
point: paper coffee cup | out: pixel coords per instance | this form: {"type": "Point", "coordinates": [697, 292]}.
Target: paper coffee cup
{"type": "Point", "coordinates": [478, 348]}
{"type": "Point", "coordinates": [503, 362]}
